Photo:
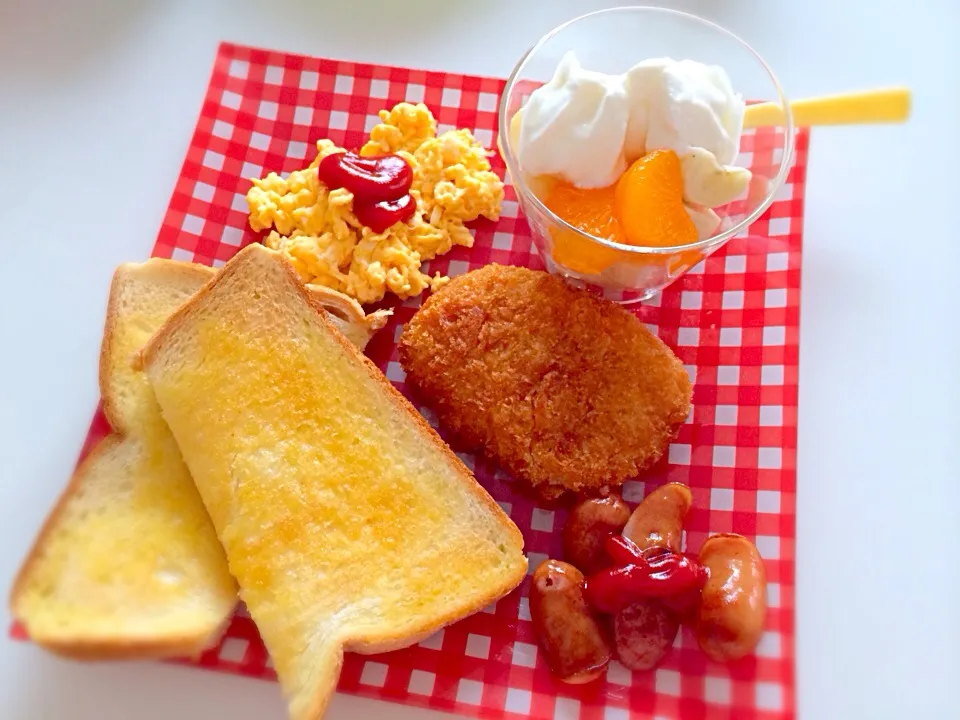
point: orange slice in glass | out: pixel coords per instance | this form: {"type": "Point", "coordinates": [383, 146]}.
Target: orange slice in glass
{"type": "Point", "coordinates": [590, 210]}
{"type": "Point", "coordinates": [643, 208]}
{"type": "Point", "coordinates": [649, 202]}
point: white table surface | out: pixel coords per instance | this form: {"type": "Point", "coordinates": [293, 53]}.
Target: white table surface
{"type": "Point", "coordinates": [97, 105]}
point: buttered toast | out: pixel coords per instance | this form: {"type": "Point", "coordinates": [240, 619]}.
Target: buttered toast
{"type": "Point", "coordinates": [347, 522]}
{"type": "Point", "coordinates": [128, 564]}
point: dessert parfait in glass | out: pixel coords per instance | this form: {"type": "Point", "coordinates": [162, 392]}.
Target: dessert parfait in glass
{"type": "Point", "coordinates": [623, 132]}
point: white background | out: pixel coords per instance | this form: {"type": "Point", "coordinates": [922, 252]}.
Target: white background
{"type": "Point", "coordinates": [97, 105]}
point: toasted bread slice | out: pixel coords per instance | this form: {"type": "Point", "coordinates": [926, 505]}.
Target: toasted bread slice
{"type": "Point", "coordinates": [128, 564]}
{"type": "Point", "coordinates": [347, 522]}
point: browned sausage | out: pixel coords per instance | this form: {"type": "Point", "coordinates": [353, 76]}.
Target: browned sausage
{"type": "Point", "coordinates": [733, 604]}
{"type": "Point", "coordinates": [575, 646]}
{"type": "Point", "coordinates": [658, 520]}
{"type": "Point", "coordinates": [589, 523]}
{"type": "Point", "coordinates": [644, 633]}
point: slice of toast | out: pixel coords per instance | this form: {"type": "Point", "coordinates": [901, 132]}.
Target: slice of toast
{"type": "Point", "coordinates": [347, 522]}
{"type": "Point", "coordinates": [128, 564]}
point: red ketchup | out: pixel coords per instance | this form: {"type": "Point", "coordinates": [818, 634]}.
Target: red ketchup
{"type": "Point", "coordinates": [380, 186]}
{"type": "Point", "coordinates": [642, 574]}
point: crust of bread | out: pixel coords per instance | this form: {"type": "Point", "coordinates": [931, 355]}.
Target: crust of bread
{"type": "Point", "coordinates": [385, 640]}
{"type": "Point", "coordinates": [193, 276]}
{"type": "Point", "coordinates": [108, 647]}
{"type": "Point", "coordinates": [351, 318]}
{"type": "Point", "coordinates": [254, 254]}
{"type": "Point", "coordinates": [171, 270]}
{"type": "Point", "coordinates": [112, 647]}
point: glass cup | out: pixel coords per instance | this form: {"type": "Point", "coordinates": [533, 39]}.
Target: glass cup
{"type": "Point", "coordinates": [612, 41]}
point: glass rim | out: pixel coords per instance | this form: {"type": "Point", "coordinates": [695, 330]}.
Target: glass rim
{"type": "Point", "coordinates": [512, 163]}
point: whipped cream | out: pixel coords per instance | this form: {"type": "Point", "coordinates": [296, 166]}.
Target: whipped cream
{"type": "Point", "coordinates": [586, 127]}
{"type": "Point", "coordinates": [574, 126]}
{"type": "Point", "coordinates": [681, 105]}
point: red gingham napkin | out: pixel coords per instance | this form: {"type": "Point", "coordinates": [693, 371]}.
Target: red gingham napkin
{"type": "Point", "coordinates": [733, 321]}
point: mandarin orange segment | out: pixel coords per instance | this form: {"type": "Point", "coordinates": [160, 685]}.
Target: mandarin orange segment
{"type": "Point", "coordinates": [589, 210]}
{"type": "Point", "coordinates": [580, 255]}
{"type": "Point", "coordinates": [648, 202]}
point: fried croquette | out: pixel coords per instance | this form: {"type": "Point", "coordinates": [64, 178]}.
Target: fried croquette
{"type": "Point", "coordinates": [566, 391]}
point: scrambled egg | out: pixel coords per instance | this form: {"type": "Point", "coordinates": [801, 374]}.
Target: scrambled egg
{"type": "Point", "coordinates": [315, 227]}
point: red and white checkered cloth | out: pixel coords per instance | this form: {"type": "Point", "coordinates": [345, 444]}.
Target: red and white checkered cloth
{"type": "Point", "coordinates": [733, 321]}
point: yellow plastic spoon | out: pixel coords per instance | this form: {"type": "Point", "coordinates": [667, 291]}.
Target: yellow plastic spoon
{"type": "Point", "coordinates": [891, 105]}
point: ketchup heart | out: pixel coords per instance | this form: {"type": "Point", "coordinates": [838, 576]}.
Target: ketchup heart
{"type": "Point", "coordinates": [383, 177]}
{"type": "Point", "coordinates": [378, 216]}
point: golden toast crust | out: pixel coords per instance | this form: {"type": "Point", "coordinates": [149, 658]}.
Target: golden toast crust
{"type": "Point", "coordinates": [113, 647]}
{"type": "Point", "coordinates": [248, 254]}
{"type": "Point", "coordinates": [328, 654]}
{"type": "Point", "coordinates": [190, 277]}
{"type": "Point", "coordinates": [189, 273]}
